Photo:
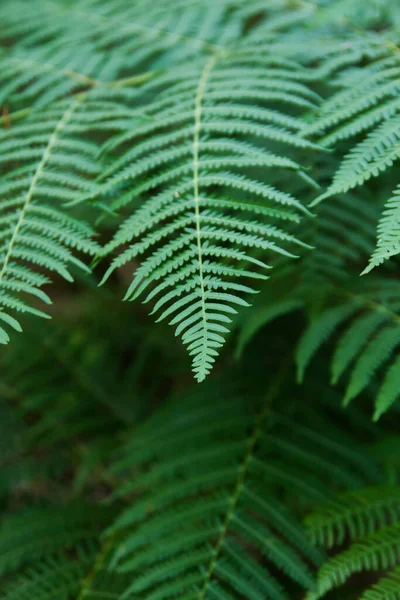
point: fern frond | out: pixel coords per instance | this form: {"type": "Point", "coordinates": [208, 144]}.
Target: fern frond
{"type": "Point", "coordinates": [368, 319]}
{"type": "Point", "coordinates": [354, 515]}
{"type": "Point", "coordinates": [35, 534]}
{"type": "Point", "coordinates": [54, 578]}
{"type": "Point", "coordinates": [388, 243]}
{"type": "Point", "coordinates": [48, 164]}
{"type": "Point", "coordinates": [367, 104]}
{"type": "Point", "coordinates": [378, 551]}
{"type": "Point", "coordinates": [387, 588]}
{"type": "Point", "coordinates": [40, 76]}
{"type": "Point", "coordinates": [203, 503]}
{"type": "Point", "coordinates": [369, 158]}
{"type": "Point", "coordinates": [202, 200]}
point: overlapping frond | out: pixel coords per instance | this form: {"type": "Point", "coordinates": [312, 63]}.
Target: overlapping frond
{"type": "Point", "coordinates": [36, 77]}
{"type": "Point", "coordinates": [203, 503]}
{"type": "Point", "coordinates": [46, 164]}
{"type": "Point", "coordinates": [371, 517]}
{"type": "Point", "coordinates": [200, 479]}
{"type": "Point", "coordinates": [366, 105]}
{"type": "Point", "coordinates": [204, 169]}
{"type": "Point", "coordinates": [45, 552]}
{"type": "Point", "coordinates": [354, 515]}
{"type": "Point", "coordinates": [135, 36]}
{"type": "Point", "coordinates": [52, 578]}
{"type": "Point", "coordinates": [367, 319]}
{"type": "Point", "coordinates": [39, 533]}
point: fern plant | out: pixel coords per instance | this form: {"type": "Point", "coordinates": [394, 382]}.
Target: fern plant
{"type": "Point", "coordinates": [199, 158]}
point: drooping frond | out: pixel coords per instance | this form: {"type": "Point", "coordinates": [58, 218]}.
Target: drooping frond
{"type": "Point", "coordinates": [46, 163]}
{"type": "Point", "coordinates": [205, 170]}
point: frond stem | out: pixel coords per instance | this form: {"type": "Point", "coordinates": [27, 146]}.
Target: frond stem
{"type": "Point", "coordinates": [196, 195]}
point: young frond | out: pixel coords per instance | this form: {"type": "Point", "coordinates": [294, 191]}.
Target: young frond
{"type": "Point", "coordinates": [196, 167]}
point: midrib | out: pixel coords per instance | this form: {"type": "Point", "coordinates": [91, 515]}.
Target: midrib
{"type": "Point", "coordinates": [196, 196]}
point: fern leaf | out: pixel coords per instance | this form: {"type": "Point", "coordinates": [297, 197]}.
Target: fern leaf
{"type": "Point", "coordinates": [369, 342]}
{"type": "Point", "coordinates": [387, 588]}
{"type": "Point", "coordinates": [54, 578]}
{"type": "Point", "coordinates": [354, 515]}
{"type": "Point", "coordinates": [201, 198]}
{"type": "Point", "coordinates": [320, 330]}
{"type": "Point", "coordinates": [35, 231]}
{"type": "Point", "coordinates": [368, 106]}
{"type": "Point", "coordinates": [380, 550]}
{"type": "Point", "coordinates": [38, 533]}
{"type": "Point", "coordinates": [202, 506]}
{"type": "Point", "coordinates": [372, 156]}
{"type": "Point", "coordinates": [388, 243]}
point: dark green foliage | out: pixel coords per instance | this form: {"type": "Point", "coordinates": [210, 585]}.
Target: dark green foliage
{"type": "Point", "coordinates": [229, 167]}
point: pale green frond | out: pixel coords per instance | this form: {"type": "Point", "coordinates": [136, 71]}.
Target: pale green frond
{"type": "Point", "coordinates": [388, 234]}
{"type": "Point", "coordinates": [35, 227]}
{"type": "Point", "coordinates": [201, 184]}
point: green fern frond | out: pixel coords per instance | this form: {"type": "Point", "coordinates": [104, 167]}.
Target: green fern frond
{"type": "Point", "coordinates": [378, 551]}
{"type": "Point", "coordinates": [387, 588]}
{"type": "Point", "coordinates": [47, 165]}
{"type": "Point", "coordinates": [368, 319]}
{"type": "Point", "coordinates": [354, 515]}
{"type": "Point", "coordinates": [204, 207]}
{"type": "Point", "coordinates": [40, 76]}
{"type": "Point", "coordinates": [367, 104]}
{"type": "Point", "coordinates": [54, 578]}
{"type": "Point", "coordinates": [35, 534]}
{"type": "Point", "coordinates": [203, 502]}
{"type": "Point", "coordinates": [388, 243]}
{"type": "Point", "coordinates": [369, 158]}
